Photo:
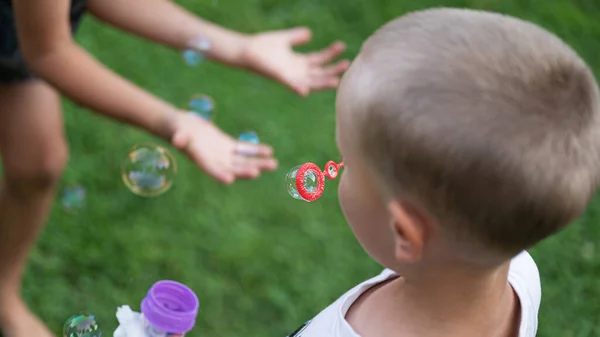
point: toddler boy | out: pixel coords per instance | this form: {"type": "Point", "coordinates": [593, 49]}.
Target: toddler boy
{"type": "Point", "coordinates": [467, 138]}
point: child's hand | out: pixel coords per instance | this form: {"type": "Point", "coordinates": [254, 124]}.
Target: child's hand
{"type": "Point", "coordinates": [221, 156]}
{"type": "Point", "coordinates": [271, 54]}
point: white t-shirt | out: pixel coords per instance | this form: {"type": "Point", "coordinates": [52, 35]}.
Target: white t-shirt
{"type": "Point", "coordinates": [523, 276]}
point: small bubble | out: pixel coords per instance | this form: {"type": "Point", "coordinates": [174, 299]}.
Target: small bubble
{"type": "Point", "coordinates": [249, 137]}
{"type": "Point", "coordinates": [192, 58]}
{"type": "Point", "coordinates": [202, 105]}
{"type": "Point", "coordinates": [200, 43]}
{"type": "Point", "coordinates": [149, 170]}
{"type": "Point", "coordinates": [82, 326]}
{"type": "Point", "coordinates": [310, 182]}
{"type": "Point", "coordinates": [195, 55]}
{"type": "Point", "coordinates": [73, 198]}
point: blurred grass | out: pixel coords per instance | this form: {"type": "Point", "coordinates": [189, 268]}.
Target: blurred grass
{"type": "Point", "coordinates": [261, 262]}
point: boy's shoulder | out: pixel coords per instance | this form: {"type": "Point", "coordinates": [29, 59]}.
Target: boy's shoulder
{"type": "Point", "coordinates": [330, 321]}
{"type": "Point", "coordinates": [523, 276]}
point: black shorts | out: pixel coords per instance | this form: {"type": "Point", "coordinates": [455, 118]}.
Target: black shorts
{"type": "Point", "coordinates": [12, 64]}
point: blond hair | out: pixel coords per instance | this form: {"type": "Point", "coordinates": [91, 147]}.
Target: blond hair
{"type": "Point", "coordinates": [487, 121]}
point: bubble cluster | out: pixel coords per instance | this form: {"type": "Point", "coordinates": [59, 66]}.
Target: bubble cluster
{"type": "Point", "coordinates": [202, 105]}
{"type": "Point", "coordinates": [82, 326]}
{"type": "Point", "coordinates": [195, 55]}
{"type": "Point", "coordinates": [249, 137]}
{"type": "Point", "coordinates": [310, 182]}
{"type": "Point", "coordinates": [149, 170]}
{"type": "Point", "coordinates": [73, 198]}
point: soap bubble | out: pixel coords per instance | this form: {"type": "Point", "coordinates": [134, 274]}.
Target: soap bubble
{"type": "Point", "coordinates": [290, 182]}
{"type": "Point", "coordinates": [73, 198]}
{"type": "Point", "coordinates": [202, 105]}
{"type": "Point", "coordinates": [310, 182]}
{"type": "Point", "coordinates": [192, 58]}
{"type": "Point", "coordinates": [249, 137]}
{"type": "Point", "coordinates": [195, 54]}
{"type": "Point", "coordinates": [149, 170]}
{"type": "Point", "coordinates": [82, 326]}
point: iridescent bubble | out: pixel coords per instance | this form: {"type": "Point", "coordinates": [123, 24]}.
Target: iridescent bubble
{"type": "Point", "coordinates": [249, 137]}
{"type": "Point", "coordinates": [149, 170]}
{"type": "Point", "coordinates": [310, 182]}
{"type": "Point", "coordinates": [82, 326]}
{"type": "Point", "coordinates": [192, 58]}
{"type": "Point", "coordinates": [195, 54]}
{"type": "Point", "coordinates": [73, 198]}
{"type": "Point", "coordinates": [202, 105]}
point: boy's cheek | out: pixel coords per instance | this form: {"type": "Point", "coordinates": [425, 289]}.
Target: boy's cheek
{"type": "Point", "coordinates": [367, 219]}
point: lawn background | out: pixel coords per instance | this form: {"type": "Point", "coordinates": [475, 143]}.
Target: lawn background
{"type": "Point", "coordinates": [261, 262]}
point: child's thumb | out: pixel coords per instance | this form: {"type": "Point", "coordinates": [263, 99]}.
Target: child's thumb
{"type": "Point", "coordinates": [299, 35]}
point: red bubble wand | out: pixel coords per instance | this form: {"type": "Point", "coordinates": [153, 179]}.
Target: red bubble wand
{"type": "Point", "coordinates": [310, 194]}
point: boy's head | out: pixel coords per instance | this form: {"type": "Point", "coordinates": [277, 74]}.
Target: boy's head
{"type": "Point", "coordinates": [466, 135]}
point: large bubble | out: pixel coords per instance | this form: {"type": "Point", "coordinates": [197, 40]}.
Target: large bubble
{"type": "Point", "coordinates": [149, 170]}
{"type": "Point", "coordinates": [82, 326]}
{"type": "Point", "coordinates": [310, 182]}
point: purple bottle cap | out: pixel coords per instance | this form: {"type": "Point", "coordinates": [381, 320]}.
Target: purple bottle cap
{"type": "Point", "coordinates": [171, 307]}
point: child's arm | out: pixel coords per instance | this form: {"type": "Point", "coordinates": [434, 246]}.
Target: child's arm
{"type": "Point", "coordinates": [50, 52]}
{"type": "Point", "coordinates": [168, 24]}
{"type": "Point", "coordinates": [47, 45]}
{"type": "Point", "coordinates": [269, 54]}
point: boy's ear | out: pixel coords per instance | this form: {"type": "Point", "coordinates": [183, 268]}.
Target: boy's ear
{"type": "Point", "coordinates": [409, 231]}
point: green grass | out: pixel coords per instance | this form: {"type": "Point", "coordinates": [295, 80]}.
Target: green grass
{"type": "Point", "coordinates": [261, 262]}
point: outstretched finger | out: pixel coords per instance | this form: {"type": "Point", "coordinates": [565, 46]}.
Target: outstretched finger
{"type": "Point", "coordinates": [251, 167]}
{"type": "Point", "coordinates": [299, 35]}
{"type": "Point", "coordinates": [249, 149]}
{"type": "Point", "coordinates": [324, 83]}
{"type": "Point", "coordinates": [326, 55]}
{"type": "Point", "coordinates": [330, 71]}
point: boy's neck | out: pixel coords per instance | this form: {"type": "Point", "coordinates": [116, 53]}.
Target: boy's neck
{"type": "Point", "coordinates": [445, 303]}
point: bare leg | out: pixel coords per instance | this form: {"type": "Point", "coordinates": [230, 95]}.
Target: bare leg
{"type": "Point", "coordinates": [34, 153]}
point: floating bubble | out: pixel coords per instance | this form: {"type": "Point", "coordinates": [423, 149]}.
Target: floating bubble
{"type": "Point", "coordinates": [249, 137]}
{"type": "Point", "coordinates": [195, 55]}
{"type": "Point", "coordinates": [192, 58]}
{"type": "Point", "coordinates": [310, 182]}
{"type": "Point", "coordinates": [73, 198]}
{"type": "Point", "coordinates": [202, 105]}
{"type": "Point", "coordinates": [82, 326]}
{"type": "Point", "coordinates": [149, 170]}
